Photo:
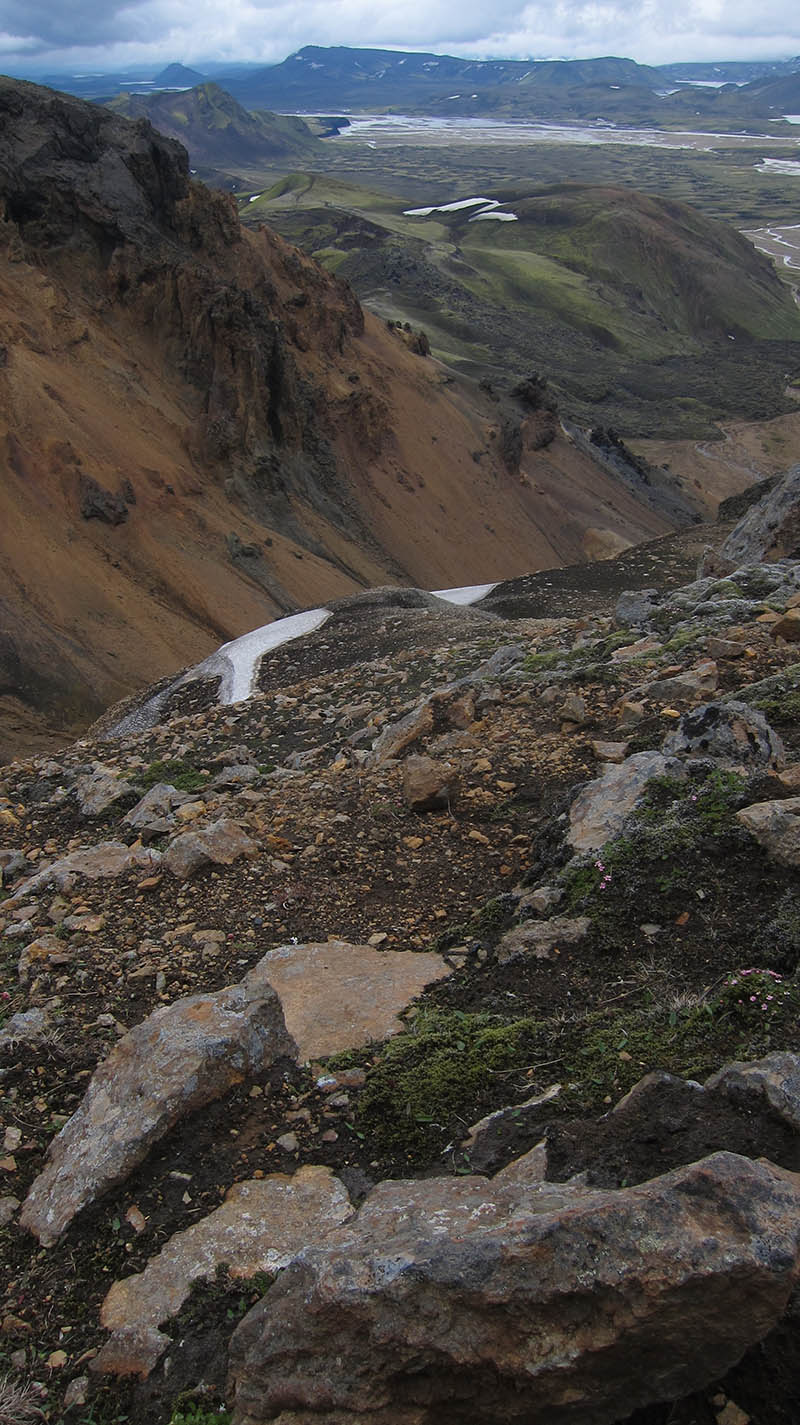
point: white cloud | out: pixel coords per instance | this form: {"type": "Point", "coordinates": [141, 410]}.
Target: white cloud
{"type": "Point", "coordinates": [118, 34]}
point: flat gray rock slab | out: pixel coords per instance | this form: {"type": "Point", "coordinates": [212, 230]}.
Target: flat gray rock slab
{"type": "Point", "coordinates": [601, 809]}
{"type": "Point", "coordinates": [182, 1056]}
{"type": "Point", "coordinates": [261, 1225]}
{"type": "Point", "coordinates": [338, 996]}
{"type": "Point", "coordinates": [104, 861]}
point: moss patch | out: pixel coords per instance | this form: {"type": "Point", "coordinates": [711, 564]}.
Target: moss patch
{"type": "Point", "coordinates": [444, 1064]}
{"type": "Point", "coordinates": [679, 825]}
{"type": "Point", "coordinates": [175, 773]}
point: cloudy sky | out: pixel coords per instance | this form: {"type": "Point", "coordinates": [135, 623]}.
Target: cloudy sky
{"type": "Point", "coordinates": [40, 35]}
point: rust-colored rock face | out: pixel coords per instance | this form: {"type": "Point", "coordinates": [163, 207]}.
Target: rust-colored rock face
{"type": "Point", "coordinates": [544, 1303]}
{"type": "Point", "coordinates": [200, 430]}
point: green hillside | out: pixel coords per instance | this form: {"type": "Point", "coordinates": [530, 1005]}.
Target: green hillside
{"type": "Point", "coordinates": [642, 312]}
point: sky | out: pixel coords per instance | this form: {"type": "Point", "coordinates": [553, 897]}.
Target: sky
{"type": "Point", "coordinates": [38, 36]}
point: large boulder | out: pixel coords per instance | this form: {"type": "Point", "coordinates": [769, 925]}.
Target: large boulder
{"type": "Point", "coordinates": [512, 1299]}
{"type": "Point", "coordinates": [182, 1056]}
{"type": "Point", "coordinates": [730, 732]}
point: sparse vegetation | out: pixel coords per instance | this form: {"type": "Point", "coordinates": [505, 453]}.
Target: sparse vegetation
{"type": "Point", "coordinates": [175, 772]}
{"type": "Point", "coordinates": [635, 302]}
{"type": "Point", "coordinates": [190, 1413]}
{"type": "Point", "coordinates": [19, 1403]}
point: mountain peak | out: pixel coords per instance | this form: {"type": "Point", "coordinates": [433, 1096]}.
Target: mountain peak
{"type": "Point", "coordinates": [178, 74]}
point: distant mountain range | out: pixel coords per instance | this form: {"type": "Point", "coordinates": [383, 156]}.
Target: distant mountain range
{"type": "Point", "coordinates": [341, 79]}
{"type": "Point", "coordinates": [610, 88]}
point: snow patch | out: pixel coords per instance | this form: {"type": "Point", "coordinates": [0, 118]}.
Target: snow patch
{"type": "Point", "coordinates": [450, 207]}
{"type": "Point", "coordinates": [499, 217]}
{"type": "Point", "coordinates": [244, 654]}
{"type": "Point", "coordinates": [778, 165]}
{"type": "Point", "coordinates": [467, 594]}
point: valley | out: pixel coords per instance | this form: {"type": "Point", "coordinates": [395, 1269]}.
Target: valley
{"type": "Point", "coordinates": [598, 283]}
{"type": "Point", "coordinates": [203, 430]}
{"type": "Point", "coordinates": [399, 989]}
{"type": "Point", "coordinates": [615, 296]}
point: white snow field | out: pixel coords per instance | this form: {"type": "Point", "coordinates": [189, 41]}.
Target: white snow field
{"type": "Point", "coordinates": [236, 663]}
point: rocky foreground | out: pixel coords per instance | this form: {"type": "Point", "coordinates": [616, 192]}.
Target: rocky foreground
{"type": "Point", "coordinates": [416, 1039]}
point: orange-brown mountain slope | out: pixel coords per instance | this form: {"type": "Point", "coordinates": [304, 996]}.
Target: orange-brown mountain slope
{"type": "Point", "coordinates": [199, 429]}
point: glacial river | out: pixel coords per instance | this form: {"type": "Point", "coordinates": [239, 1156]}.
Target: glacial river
{"type": "Point", "coordinates": [381, 130]}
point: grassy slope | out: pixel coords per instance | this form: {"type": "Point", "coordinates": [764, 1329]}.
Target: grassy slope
{"type": "Point", "coordinates": [638, 280]}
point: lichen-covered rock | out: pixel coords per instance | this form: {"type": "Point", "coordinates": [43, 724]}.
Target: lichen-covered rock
{"type": "Point", "coordinates": [182, 1056]}
{"type": "Point", "coordinates": [515, 1300]}
{"type": "Point", "coordinates": [729, 732]}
